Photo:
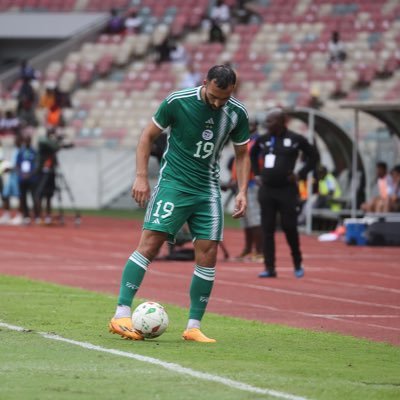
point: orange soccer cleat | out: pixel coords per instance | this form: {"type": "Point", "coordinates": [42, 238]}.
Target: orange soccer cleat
{"type": "Point", "coordinates": [123, 327]}
{"type": "Point", "coordinates": [196, 335]}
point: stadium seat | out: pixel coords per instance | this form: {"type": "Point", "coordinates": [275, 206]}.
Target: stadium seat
{"type": "Point", "coordinates": [278, 59]}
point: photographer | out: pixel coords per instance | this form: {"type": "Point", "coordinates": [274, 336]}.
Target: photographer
{"type": "Point", "coordinates": [48, 147]}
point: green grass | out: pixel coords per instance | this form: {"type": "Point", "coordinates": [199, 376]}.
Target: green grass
{"type": "Point", "coordinates": [303, 363]}
{"type": "Point", "coordinates": [134, 213]}
{"type": "Point", "coordinates": [138, 214]}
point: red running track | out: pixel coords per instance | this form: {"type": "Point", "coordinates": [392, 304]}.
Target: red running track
{"type": "Point", "coordinates": [351, 290]}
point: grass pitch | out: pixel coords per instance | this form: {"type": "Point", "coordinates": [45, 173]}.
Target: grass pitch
{"type": "Point", "coordinates": [293, 362]}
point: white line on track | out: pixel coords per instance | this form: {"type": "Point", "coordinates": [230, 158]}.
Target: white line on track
{"type": "Point", "coordinates": [355, 285]}
{"type": "Point", "coordinates": [366, 324]}
{"type": "Point", "coordinates": [306, 294]}
{"type": "Point", "coordinates": [229, 267]}
{"type": "Point", "coordinates": [176, 368]}
{"type": "Point", "coordinates": [356, 316]}
{"type": "Point", "coordinates": [304, 313]}
{"type": "Point", "coordinates": [288, 291]}
{"type": "Point", "coordinates": [317, 280]}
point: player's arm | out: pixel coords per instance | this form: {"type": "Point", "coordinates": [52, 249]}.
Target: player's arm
{"type": "Point", "coordinates": [141, 187]}
{"type": "Point", "coordinates": [243, 171]}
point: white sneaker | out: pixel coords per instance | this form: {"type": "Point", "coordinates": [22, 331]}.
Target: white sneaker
{"type": "Point", "coordinates": [17, 220]}
{"type": "Point", "coordinates": [5, 219]}
{"type": "Point", "coordinates": [48, 220]}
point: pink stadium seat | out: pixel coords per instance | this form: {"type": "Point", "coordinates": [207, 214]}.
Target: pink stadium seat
{"type": "Point", "coordinates": [366, 74]}
{"type": "Point", "coordinates": [117, 134]}
{"type": "Point", "coordinates": [392, 64]}
{"type": "Point", "coordinates": [104, 65]}
{"type": "Point", "coordinates": [139, 85]}
{"type": "Point", "coordinates": [289, 78]}
{"type": "Point", "coordinates": [85, 73]}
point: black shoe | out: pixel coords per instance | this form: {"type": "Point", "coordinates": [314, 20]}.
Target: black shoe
{"type": "Point", "coordinates": [267, 274]}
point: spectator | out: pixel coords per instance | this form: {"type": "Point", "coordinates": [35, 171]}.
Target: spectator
{"type": "Point", "coordinates": [315, 100]}
{"type": "Point", "coordinates": [27, 72]}
{"type": "Point", "coordinates": [191, 78]}
{"type": "Point", "coordinates": [9, 123]}
{"type": "Point", "coordinates": [177, 53]}
{"type": "Point", "coordinates": [48, 98]}
{"type": "Point", "coordinates": [328, 190]}
{"type": "Point", "coordinates": [216, 35]}
{"type": "Point", "coordinates": [63, 98]}
{"type": "Point", "coordinates": [163, 51]}
{"type": "Point", "coordinates": [26, 104]}
{"type": "Point", "coordinates": [2, 165]}
{"type": "Point", "coordinates": [11, 186]}
{"type": "Point", "coordinates": [115, 24]}
{"type": "Point", "coordinates": [26, 170]}
{"type": "Point", "coordinates": [220, 12]}
{"type": "Point", "coordinates": [133, 21]}
{"type": "Point", "coordinates": [245, 11]}
{"type": "Point", "coordinates": [336, 49]}
{"type": "Point", "coordinates": [394, 197]}
{"type": "Point", "coordinates": [280, 149]}
{"type": "Point", "coordinates": [251, 222]}
{"type": "Point", "coordinates": [46, 170]}
{"type": "Point", "coordinates": [381, 191]}
{"type": "Point", "coordinates": [54, 117]}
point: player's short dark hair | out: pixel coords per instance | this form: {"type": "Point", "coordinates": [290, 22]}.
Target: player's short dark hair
{"type": "Point", "coordinates": [223, 75]}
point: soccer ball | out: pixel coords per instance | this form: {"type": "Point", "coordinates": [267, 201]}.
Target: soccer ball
{"type": "Point", "coordinates": [150, 319]}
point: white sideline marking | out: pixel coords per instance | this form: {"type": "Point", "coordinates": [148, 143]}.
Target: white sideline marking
{"type": "Point", "coordinates": [176, 368]}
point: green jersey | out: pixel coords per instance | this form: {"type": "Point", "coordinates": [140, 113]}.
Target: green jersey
{"type": "Point", "coordinates": [197, 136]}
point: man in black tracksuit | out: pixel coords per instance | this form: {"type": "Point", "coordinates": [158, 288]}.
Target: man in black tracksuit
{"type": "Point", "coordinates": [279, 149]}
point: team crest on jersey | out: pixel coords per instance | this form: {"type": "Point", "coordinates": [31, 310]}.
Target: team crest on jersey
{"type": "Point", "coordinates": [207, 134]}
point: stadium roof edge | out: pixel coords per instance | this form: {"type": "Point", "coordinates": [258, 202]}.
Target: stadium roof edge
{"type": "Point", "coordinates": [335, 137]}
{"type": "Point", "coordinates": [47, 25]}
{"type": "Point", "coordinates": [387, 112]}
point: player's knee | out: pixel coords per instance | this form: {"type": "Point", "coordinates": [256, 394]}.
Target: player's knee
{"type": "Point", "coordinates": [150, 244]}
{"type": "Point", "coordinates": [206, 252]}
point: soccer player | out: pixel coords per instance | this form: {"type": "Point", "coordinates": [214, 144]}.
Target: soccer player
{"type": "Point", "coordinates": [201, 121]}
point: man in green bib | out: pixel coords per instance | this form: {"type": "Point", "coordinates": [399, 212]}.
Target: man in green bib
{"type": "Point", "coordinates": [201, 121]}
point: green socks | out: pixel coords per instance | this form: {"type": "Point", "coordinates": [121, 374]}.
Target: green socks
{"type": "Point", "coordinates": [200, 290]}
{"type": "Point", "coordinates": [132, 277]}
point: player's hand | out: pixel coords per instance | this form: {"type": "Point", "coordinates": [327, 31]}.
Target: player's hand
{"type": "Point", "coordinates": [141, 191]}
{"type": "Point", "coordinates": [240, 205]}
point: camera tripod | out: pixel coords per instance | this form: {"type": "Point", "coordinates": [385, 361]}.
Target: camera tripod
{"type": "Point", "coordinates": [62, 183]}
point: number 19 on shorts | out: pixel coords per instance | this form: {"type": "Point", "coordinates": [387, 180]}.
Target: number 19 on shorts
{"type": "Point", "coordinates": [163, 209]}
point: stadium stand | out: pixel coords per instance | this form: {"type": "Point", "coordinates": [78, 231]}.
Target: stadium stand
{"type": "Point", "coordinates": [281, 58]}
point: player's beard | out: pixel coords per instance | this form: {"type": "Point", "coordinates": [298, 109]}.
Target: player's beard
{"type": "Point", "coordinates": [208, 102]}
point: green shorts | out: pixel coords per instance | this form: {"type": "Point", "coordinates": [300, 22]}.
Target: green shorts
{"type": "Point", "coordinates": [169, 209]}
